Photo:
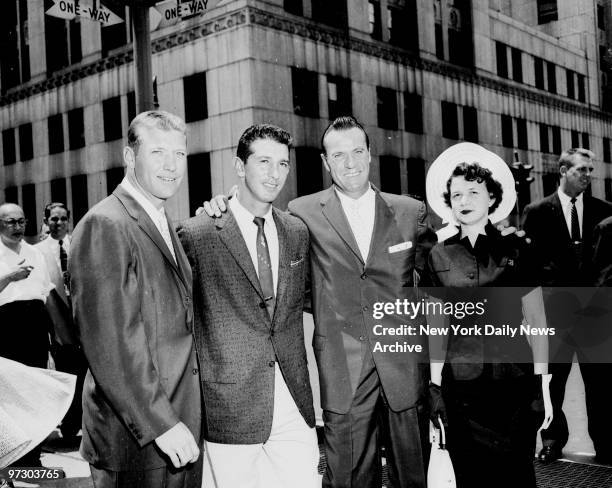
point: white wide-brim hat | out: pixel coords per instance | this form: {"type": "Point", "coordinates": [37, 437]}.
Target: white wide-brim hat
{"type": "Point", "coordinates": [466, 152]}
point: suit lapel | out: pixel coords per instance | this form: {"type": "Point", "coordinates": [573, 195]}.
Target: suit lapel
{"type": "Point", "coordinates": [557, 209]}
{"type": "Point", "coordinates": [147, 226]}
{"type": "Point", "coordinates": [332, 211]}
{"type": "Point", "coordinates": [284, 245]}
{"type": "Point", "coordinates": [384, 220]}
{"type": "Point", "coordinates": [232, 238]}
{"type": "Point", "coordinates": [181, 258]}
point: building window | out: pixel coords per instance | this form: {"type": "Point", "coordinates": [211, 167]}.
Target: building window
{"type": "Point", "coordinates": [413, 113]}
{"type": "Point", "coordinates": [601, 17]}
{"type": "Point", "coordinates": [62, 41]}
{"type": "Point", "coordinates": [415, 168]}
{"type": "Point", "coordinates": [556, 139]}
{"type": "Point", "coordinates": [507, 136]}
{"type": "Point", "coordinates": [585, 141]}
{"type": "Point", "coordinates": [199, 180]}
{"type": "Point", "coordinates": [8, 147]}
{"type": "Point", "coordinates": [390, 174]}
{"type": "Point", "coordinates": [55, 126]}
{"type": "Point", "coordinates": [114, 177]}
{"type": "Point", "coordinates": [502, 59]}
{"type": "Point", "coordinates": [581, 91]}
{"type": "Point", "coordinates": [305, 85]}
{"type": "Point", "coordinates": [603, 51]}
{"type": "Point", "coordinates": [538, 65]}
{"type": "Point", "coordinates": [569, 75]}
{"type": "Point", "coordinates": [309, 170]}
{"type": "Point", "coordinates": [521, 134]}
{"type": "Point", "coordinates": [26, 148]}
{"type": "Point", "coordinates": [14, 44]}
{"type": "Point", "coordinates": [28, 196]}
{"type": "Point", "coordinates": [547, 11]}
{"type": "Point", "coordinates": [76, 129]}
{"type": "Point", "coordinates": [131, 106]}
{"type": "Point", "coordinates": [10, 195]}
{"type": "Point", "coordinates": [549, 183]}
{"type": "Point", "coordinates": [608, 189]}
{"type": "Point", "coordinates": [194, 97]}
{"type": "Point", "coordinates": [606, 150]}
{"type": "Point", "coordinates": [387, 108]}
{"type": "Point", "coordinates": [575, 138]}
{"type": "Point", "coordinates": [111, 111]}
{"type": "Point", "coordinates": [374, 20]}
{"type": "Point", "coordinates": [115, 36]}
{"type": "Point", "coordinates": [403, 26]}
{"type": "Point", "coordinates": [544, 144]}
{"type": "Point", "coordinates": [517, 65]}
{"type": "Point", "coordinates": [450, 124]}
{"type": "Point", "coordinates": [294, 7]}
{"type": "Point", "coordinates": [331, 12]}
{"type": "Point", "coordinates": [80, 201]}
{"type": "Point", "coordinates": [552, 77]}
{"type": "Point", "coordinates": [470, 124]}
{"type": "Point", "coordinates": [439, 34]}
{"type": "Point", "coordinates": [339, 96]}
{"type": "Point", "coordinates": [58, 190]}
{"type": "Point", "coordinates": [460, 48]}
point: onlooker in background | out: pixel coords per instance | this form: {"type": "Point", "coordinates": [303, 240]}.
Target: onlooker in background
{"type": "Point", "coordinates": [66, 348]}
{"type": "Point", "coordinates": [24, 287]}
{"type": "Point", "coordinates": [561, 228]}
{"type": "Point", "coordinates": [602, 253]}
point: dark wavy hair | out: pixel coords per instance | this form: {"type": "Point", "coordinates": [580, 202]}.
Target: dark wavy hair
{"type": "Point", "coordinates": [261, 131]}
{"type": "Point", "coordinates": [475, 172]}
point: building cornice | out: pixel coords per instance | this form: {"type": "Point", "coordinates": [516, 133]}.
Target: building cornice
{"type": "Point", "coordinates": [310, 30]}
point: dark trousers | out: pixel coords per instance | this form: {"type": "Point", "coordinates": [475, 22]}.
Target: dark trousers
{"type": "Point", "coordinates": [353, 440]}
{"type": "Point", "coordinates": [25, 338]}
{"type": "Point", "coordinates": [189, 476]}
{"type": "Point", "coordinates": [70, 359]}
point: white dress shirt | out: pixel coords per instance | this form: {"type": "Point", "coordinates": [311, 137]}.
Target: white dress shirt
{"type": "Point", "coordinates": [360, 214]}
{"type": "Point", "coordinates": [158, 216]}
{"type": "Point", "coordinates": [248, 228]}
{"type": "Point", "coordinates": [36, 286]}
{"type": "Point", "coordinates": [566, 205]}
{"type": "Point", "coordinates": [53, 246]}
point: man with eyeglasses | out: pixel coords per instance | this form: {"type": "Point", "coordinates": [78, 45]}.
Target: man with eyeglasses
{"type": "Point", "coordinates": [24, 288]}
{"type": "Point", "coordinates": [66, 349]}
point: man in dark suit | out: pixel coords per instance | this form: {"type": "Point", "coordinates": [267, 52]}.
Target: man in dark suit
{"type": "Point", "coordinates": [250, 270]}
{"type": "Point", "coordinates": [131, 295]}
{"type": "Point", "coordinates": [561, 228]}
{"type": "Point", "coordinates": [366, 247]}
{"type": "Point", "coordinates": [66, 348]}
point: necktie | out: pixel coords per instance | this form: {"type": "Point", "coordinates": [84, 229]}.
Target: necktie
{"type": "Point", "coordinates": [165, 232]}
{"type": "Point", "coordinates": [264, 266]}
{"type": "Point", "coordinates": [574, 223]}
{"type": "Point", "coordinates": [64, 265]}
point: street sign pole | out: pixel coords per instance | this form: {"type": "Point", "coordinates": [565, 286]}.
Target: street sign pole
{"type": "Point", "coordinates": [142, 57]}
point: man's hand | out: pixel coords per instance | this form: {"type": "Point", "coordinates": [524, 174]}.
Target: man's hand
{"type": "Point", "coordinates": [179, 445]}
{"type": "Point", "coordinates": [218, 204]}
{"type": "Point", "coordinates": [437, 408]}
{"type": "Point", "coordinates": [20, 272]}
{"type": "Point", "coordinates": [505, 231]}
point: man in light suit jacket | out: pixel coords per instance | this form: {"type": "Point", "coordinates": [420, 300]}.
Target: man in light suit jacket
{"type": "Point", "coordinates": [66, 348]}
{"type": "Point", "coordinates": [561, 228]}
{"type": "Point", "coordinates": [131, 295]}
{"type": "Point", "coordinates": [365, 248]}
{"type": "Point", "coordinates": [249, 277]}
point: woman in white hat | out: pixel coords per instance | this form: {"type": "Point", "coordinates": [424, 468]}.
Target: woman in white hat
{"type": "Point", "coordinates": [488, 382]}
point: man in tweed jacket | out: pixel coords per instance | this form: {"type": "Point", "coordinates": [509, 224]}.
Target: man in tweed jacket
{"type": "Point", "coordinates": [249, 271]}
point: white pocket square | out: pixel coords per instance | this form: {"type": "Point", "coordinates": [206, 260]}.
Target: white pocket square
{"type": "Point", "coordinates": [295, 263]}
{"type": "Point", "coordinates": [402, 246]}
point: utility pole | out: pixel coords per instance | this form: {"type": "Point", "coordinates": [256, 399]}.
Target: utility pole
{"type": "Point", "coordinates": [143, 74]}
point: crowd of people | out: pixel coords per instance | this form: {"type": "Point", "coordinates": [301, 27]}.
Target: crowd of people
{"type": "Point", "coordinates": [188, 341]}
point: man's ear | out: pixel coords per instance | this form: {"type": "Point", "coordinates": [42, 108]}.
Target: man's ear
{"type": "Point", "coordinates": [325, 163]}
{"type": "Point", "coordinates": [129, 157]}
{"type": "Point", "coordinates": [239, 166]}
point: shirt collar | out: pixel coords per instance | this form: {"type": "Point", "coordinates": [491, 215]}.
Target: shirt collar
{"type": "Point", "coordinates": [366, 199]}
{"type": "Point", "coordinates": [144, 202]}
{"type": "Point", "coordinates": [566, 200]}
{"type": "Point", "coordinates": [242, 214]}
